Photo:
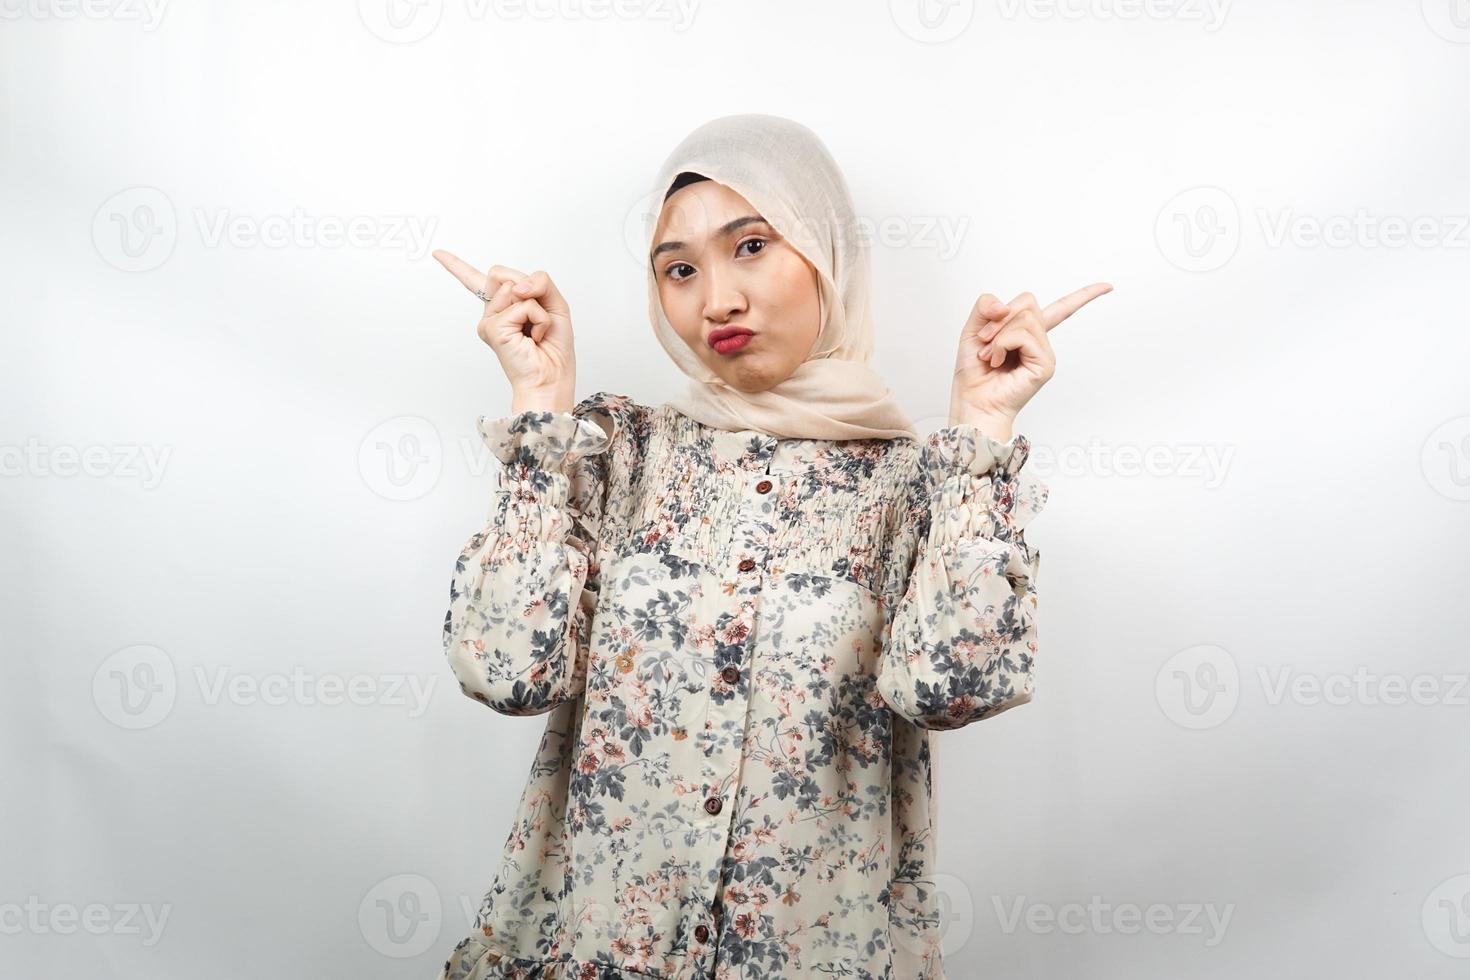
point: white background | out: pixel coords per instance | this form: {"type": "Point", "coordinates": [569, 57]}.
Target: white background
{"type": "Point", "coordinates": [239, 457]}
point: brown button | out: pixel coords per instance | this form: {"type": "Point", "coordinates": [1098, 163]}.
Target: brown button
{"type": "Point", "coordinates": [701, 932]}
{"type": "Point", "coordinates": [763, 487]}
{"type": "Point", "coordinates": [731, 674]}
{"type": "Point", "coordinates": [747, 564]}
{"type": "Point", "coordinates": [713, 804]}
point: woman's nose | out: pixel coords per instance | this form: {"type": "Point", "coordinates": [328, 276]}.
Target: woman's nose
{"type": "Point", "coordinates": [722, 297]}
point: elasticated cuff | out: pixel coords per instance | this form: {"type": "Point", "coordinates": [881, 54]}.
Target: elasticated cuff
{"type": "Point", "coordinates": [544, 440]}
{"type": "Point", "coordinates": [535, 448]}
{"type": "Point", "coordinates": [981, 487]}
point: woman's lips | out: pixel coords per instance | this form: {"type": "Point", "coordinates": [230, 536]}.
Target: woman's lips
{"type": "Point", "coordinates": [730, 341]}
{"type": "Point", "coordinates": [732, 344]}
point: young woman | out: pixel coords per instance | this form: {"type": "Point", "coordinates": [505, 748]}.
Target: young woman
{"type": "Point", "coordinates": [743, 611]}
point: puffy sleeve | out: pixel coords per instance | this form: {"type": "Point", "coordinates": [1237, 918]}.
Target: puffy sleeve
{"type": "Point", "coordinates": [525, 586]}
{"type": "Point", "coordinates": [961, 643]}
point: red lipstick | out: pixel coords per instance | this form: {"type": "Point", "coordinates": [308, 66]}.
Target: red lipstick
{"type": "Point", "coordinates": [728, 340]}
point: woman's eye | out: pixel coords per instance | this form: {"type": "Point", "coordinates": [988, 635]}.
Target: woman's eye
{"type": "Point", "coordinates": [678, 265]}
{"type": "Point", "coordinates": [752, 241]}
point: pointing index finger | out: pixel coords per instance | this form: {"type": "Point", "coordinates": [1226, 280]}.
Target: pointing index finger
{"type": "Point", "coordinates": [1072, 302]}
{"type": "Point", "coordinates": [468, 275]}
{"type": "Point", "coordinates": [475, 279]}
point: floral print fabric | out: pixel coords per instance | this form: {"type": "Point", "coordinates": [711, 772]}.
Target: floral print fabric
{"type": "Point", "coordinates": [741, 645]}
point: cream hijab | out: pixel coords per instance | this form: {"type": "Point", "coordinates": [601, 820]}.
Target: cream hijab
{"type": "Point", "coordinates": [784, 170]}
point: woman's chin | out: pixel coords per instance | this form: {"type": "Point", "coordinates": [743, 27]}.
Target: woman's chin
{"type": "Point", "coordinates": [751, 386]}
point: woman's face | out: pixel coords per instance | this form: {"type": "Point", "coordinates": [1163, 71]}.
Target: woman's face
{"type": "Point", "coordinates": [719, 265]}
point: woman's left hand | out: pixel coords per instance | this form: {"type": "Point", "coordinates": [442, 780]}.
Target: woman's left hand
{"type": "Point", "coordinates": [992, 385]}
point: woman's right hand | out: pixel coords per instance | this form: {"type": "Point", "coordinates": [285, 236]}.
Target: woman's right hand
{"type": "Point", "coordinates": [529, 329]}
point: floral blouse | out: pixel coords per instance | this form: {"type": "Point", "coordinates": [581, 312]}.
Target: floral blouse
{"type": "Point", "coordinates": [741, 644]}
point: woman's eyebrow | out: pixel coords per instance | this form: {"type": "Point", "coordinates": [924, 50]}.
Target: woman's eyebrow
{"type": "Point", "coordinates": [729, 228]}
